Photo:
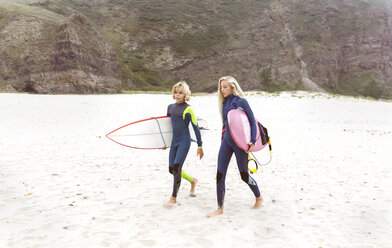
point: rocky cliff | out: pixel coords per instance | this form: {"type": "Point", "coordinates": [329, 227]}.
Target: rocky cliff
{"type": "Point", "coordinates": [85, 46]}
{"type": "Point", "coordinates": [49, 55]}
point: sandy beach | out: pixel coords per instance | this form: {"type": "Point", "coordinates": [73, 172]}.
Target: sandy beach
{"type": "Point", "coordinates": [64, 184]}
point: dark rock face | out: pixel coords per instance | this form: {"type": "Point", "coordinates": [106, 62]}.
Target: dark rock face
{"type": "Point", "coordinates": [68, 58]}
{"type": "Point", "coordinates": [352, 45]}
{"type": "Point", "coordinates": [82, 61]}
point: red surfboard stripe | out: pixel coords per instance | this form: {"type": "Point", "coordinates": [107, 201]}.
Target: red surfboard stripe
{"type": "Point", "coordinates": [152, 118]}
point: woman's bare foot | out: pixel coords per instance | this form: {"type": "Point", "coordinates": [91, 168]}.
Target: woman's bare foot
{"type": "Point", "coordinates": [259, 201]}
{"type": "Point", "coordinates": [193, 187]}
{"type": "Point", "coordinates": [170, 203]}
{"type": "Point", "coordinates": [216, 213]}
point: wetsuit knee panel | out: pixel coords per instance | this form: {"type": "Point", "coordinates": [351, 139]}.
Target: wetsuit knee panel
{"type": "Point", "coordinates": [218, 176]}
{"type": "Point", "coordinates": [248, 179]}
{"type": "Point", "coordinates": [245, 176]}
{"type": "Point", "coordinates": [175, 169]}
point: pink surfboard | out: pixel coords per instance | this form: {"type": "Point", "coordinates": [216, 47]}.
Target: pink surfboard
{"type": "Point", "coordinates": [239, 127]}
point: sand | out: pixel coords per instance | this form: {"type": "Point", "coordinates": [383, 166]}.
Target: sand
{"type": "Point", "coordinates": [64, 184]}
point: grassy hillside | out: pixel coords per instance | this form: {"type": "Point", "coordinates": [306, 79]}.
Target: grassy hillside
{"type": "Point", "coordinates": [262, 43]}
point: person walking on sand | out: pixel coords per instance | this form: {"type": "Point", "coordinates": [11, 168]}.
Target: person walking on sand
{"type": "Point", "coordinates": [230, 97]}
{"type": "Point", "coordinates": [181, 114]}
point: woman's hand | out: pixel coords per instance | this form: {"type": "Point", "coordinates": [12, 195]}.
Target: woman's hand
{"type": "Point", "coordinates": [251, 146]}
{"type": "Point", "coordinates": [200, 152]}
{"type": "Point", "coordinates": [164, 148]}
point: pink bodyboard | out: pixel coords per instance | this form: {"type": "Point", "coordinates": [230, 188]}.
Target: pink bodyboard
{"type": "Point", "coordinates": [239, 127]}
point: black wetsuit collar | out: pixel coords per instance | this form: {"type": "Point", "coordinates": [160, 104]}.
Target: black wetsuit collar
{"type": "Point", "coordinates": [230, 97]}
{"type": "Point", "coordinates": [181, 104]}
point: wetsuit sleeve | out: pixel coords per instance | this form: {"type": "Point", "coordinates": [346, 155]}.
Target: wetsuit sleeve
{"type": "Point", "coordinates": [243, 103]}
{"type": "Point", "coordinates": [188, 113]}
{"type": "Point", "coordinates": [167, 113]}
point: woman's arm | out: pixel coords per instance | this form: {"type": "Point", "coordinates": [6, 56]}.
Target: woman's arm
{"type": "Point", "coordinates": [243, 103]}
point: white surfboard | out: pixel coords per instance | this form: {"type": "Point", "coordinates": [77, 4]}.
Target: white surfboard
{"type": "Point", "coordinates": [151, 133]}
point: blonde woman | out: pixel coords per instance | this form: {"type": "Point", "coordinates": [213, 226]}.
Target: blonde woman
{"type": "Point", "coordinates": [181, 115]}
{"type": "Point", "coordinates": [230, 97]}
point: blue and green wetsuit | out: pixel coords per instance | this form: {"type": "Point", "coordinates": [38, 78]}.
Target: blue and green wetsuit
{"type": "Point", "coordinates": [228, 147]}
{"type": "Point", "coordinates": [181, 115]}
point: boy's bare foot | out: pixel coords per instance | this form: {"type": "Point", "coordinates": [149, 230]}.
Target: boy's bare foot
{"type": "Point", "coordinates": [193, 187]}
{"type": "Point", "coordinates": [170, 203]}
{"type": "Point", "coordinates": [259, 201]}
{"type": "Point", "coordinates": [216, 213]}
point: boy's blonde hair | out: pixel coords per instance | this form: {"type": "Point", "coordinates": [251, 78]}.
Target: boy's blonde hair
{"type": "Point", "coordinates": [237, 91]}
{"type": "Point", "coordinates": [183, 87]}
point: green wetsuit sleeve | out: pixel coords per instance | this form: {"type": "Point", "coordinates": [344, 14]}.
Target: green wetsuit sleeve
{"type": "Point", "coordinates": [189, 112]}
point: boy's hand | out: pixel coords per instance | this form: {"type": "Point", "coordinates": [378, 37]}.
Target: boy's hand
{"type": "Point", "coordinates": [200, 152]}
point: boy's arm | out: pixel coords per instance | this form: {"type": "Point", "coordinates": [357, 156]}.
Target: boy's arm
{"type": "Point", "coordinates": [191, 115]}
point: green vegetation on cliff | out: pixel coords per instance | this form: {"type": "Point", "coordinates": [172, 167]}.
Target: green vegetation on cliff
{"type": "Point", "coordinates": [265, 44]}
{"type": "Point", "coordinates": [365, 84]}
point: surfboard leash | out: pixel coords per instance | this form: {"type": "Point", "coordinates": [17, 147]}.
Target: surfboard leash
{"type": "Point", "coordinates": [160, 130]}
{"type": "Point", "coordinates": [256, 161]}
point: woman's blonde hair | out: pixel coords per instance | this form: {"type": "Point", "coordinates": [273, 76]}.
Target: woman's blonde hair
{"type": "Point", "coordinates": [237, 91]}
{"type": "Point", "coordinates": [183, 87]}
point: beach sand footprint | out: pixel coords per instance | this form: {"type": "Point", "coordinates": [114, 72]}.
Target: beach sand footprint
{"type": "Point", "coordinates": [147, 242]}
